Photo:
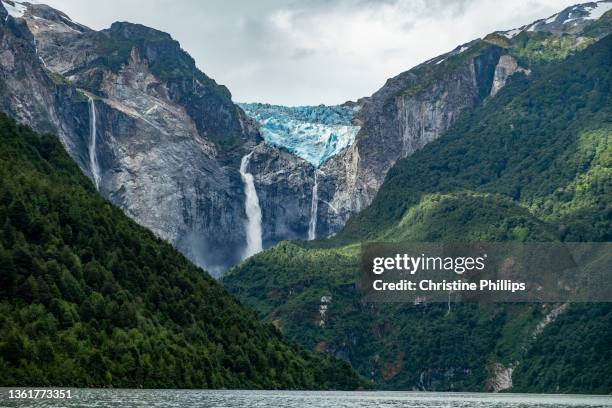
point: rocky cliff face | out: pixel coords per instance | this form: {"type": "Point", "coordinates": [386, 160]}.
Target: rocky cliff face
{"type": "Point", "coordinates": [316, 135]}
{"type": "Point", "coordinates": [29, 92]}
{"type": "Point", "coordinates": [506, 67]}
{"type": "Point", "coordinates": [168, 139]}
{"type": "Point", "coordinates": [284, 185]}
{"type": "Point", "coordinates": [408, 112]}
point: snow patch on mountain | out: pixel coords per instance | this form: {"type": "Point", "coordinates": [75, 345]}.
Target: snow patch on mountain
{"type": "Point", "coordinates": [511, 33]}
{"type": "Point", "coordinates": [15, 9]}
{"type": "Point", "coordinates": [314, 133]}
{"type": "Point", "coordinates": [551, 19]}
{"type": "Point", "coordinates": [574, 14]}
{"type": "Point", "coordinates": [598, 10]}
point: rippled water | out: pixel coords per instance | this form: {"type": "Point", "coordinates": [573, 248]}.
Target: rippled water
{"type": "Point", "coordinates": [301, 399]}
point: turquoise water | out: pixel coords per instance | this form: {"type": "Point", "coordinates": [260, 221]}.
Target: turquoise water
{"type": "Point", "coordinates": [87, 398]}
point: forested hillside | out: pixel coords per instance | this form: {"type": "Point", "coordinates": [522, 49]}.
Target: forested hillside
{"type": "Point", "coordinates": [89, 298]}
{"type": "Point", "coordinates": [534, 163]}
{"type": "Point", "coordinates": [543, 142]}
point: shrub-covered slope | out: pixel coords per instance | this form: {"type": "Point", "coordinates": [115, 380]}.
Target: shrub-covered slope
{"type": "Point", "coordinates": [531, 164]}
{"type": "Point", "coordinates": [89, 298]}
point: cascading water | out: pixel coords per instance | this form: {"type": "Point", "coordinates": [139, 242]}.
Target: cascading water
{"type": "Point", "coordinates": [314, 206]}
{"type": "Point", "coordinates": [93, 156]}
{"type": "Point", "coordinates": [313, 133]}
{"type": "Point", "coordinates": [253, 210]}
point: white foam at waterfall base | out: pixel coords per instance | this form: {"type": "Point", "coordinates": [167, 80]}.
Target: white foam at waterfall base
{"type": "Point", "coordinates": [252, 209]}
{"type": "Point", "coordinates": [94, 168]}
{"type": "Point", "coordinates": [314, 206]}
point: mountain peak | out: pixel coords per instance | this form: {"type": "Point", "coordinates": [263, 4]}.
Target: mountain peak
{"type": "Point", "coordinates": [134, 31]}
{"type": "Point", "coordinates": [572, 19]}
{"type": "Point", "coordinates": [45, 17]}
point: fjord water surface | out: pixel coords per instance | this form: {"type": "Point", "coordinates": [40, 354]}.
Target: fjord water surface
{"type": "Point", "coordinates": [90, 398]}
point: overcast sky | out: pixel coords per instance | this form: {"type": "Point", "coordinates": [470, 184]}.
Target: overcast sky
{"type": "Point", "coordinates": [316, 51]}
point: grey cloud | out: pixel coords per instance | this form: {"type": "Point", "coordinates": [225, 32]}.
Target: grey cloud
{"type": "Point", "coordinates": [301, 53]}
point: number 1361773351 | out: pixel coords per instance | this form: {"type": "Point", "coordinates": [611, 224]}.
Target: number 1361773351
{"type": "Point", "coordinates": [39, 394]}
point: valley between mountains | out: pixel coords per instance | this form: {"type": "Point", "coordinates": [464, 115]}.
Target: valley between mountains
{"type": "Point", "coordinates": [506, 137]}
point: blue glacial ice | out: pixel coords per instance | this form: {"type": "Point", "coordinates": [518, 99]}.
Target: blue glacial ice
{"type": "Point", "coordinates": [314, 133]}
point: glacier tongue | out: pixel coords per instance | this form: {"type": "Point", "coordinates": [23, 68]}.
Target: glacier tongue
{"type": "Point", "coordinates": [314, 133]}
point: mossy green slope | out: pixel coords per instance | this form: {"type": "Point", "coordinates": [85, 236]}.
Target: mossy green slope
{"type": "Point", "coordinates": [89, 298]}
{"type": "Point", "coordinates": [531, 164]}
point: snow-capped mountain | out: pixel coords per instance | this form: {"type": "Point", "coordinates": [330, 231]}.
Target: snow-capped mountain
{"type": "Point", "coordinates": [571, 19]}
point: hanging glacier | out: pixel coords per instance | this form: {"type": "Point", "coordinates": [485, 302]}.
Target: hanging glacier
{"type": "Point", "coordinates": [314, 133]}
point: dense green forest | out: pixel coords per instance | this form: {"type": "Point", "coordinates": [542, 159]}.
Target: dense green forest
{"type": "Point", "coordinates": [534, 163]}
{"type": "Point", "coordinates": [89, 298]}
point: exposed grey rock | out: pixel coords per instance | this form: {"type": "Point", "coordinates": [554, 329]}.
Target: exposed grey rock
{"type": "Point", "coordinates": [505, 68]}
{"type": "Point", "coordinates": [284, 184]}
{"type": "Point", "coordinates": [409, 111]}
{"type": "Point", "coordinates": [170, 140]}
{"type": "Point", "coordinates": [27, 90]}
{"type": "Point", "coordinates": [163, 172]}
{"type": "Point", "coordinates": [168, 148]}
{"type": "Point", "coordinates": [30, 94]}
{"type": "Point", "coordinates": [500, 377]}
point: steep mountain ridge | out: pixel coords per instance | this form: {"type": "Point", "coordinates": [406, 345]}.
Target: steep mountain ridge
{"type": "Point", "coordinates": [417, 106]}
{"type": "Point", "coordinates": [169, 140]}
{"type": "Point", "coordinates": [29, 93]}
{"type": "Point", "coordinates": [169, 147]}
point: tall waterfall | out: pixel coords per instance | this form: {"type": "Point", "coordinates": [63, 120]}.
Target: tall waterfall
{"type": "Point", "coordinates": [314, 206]}
{"type": "Point", "coordinates": [93, 155]}
{"type": "Point", "coordinates": [253, 210]}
